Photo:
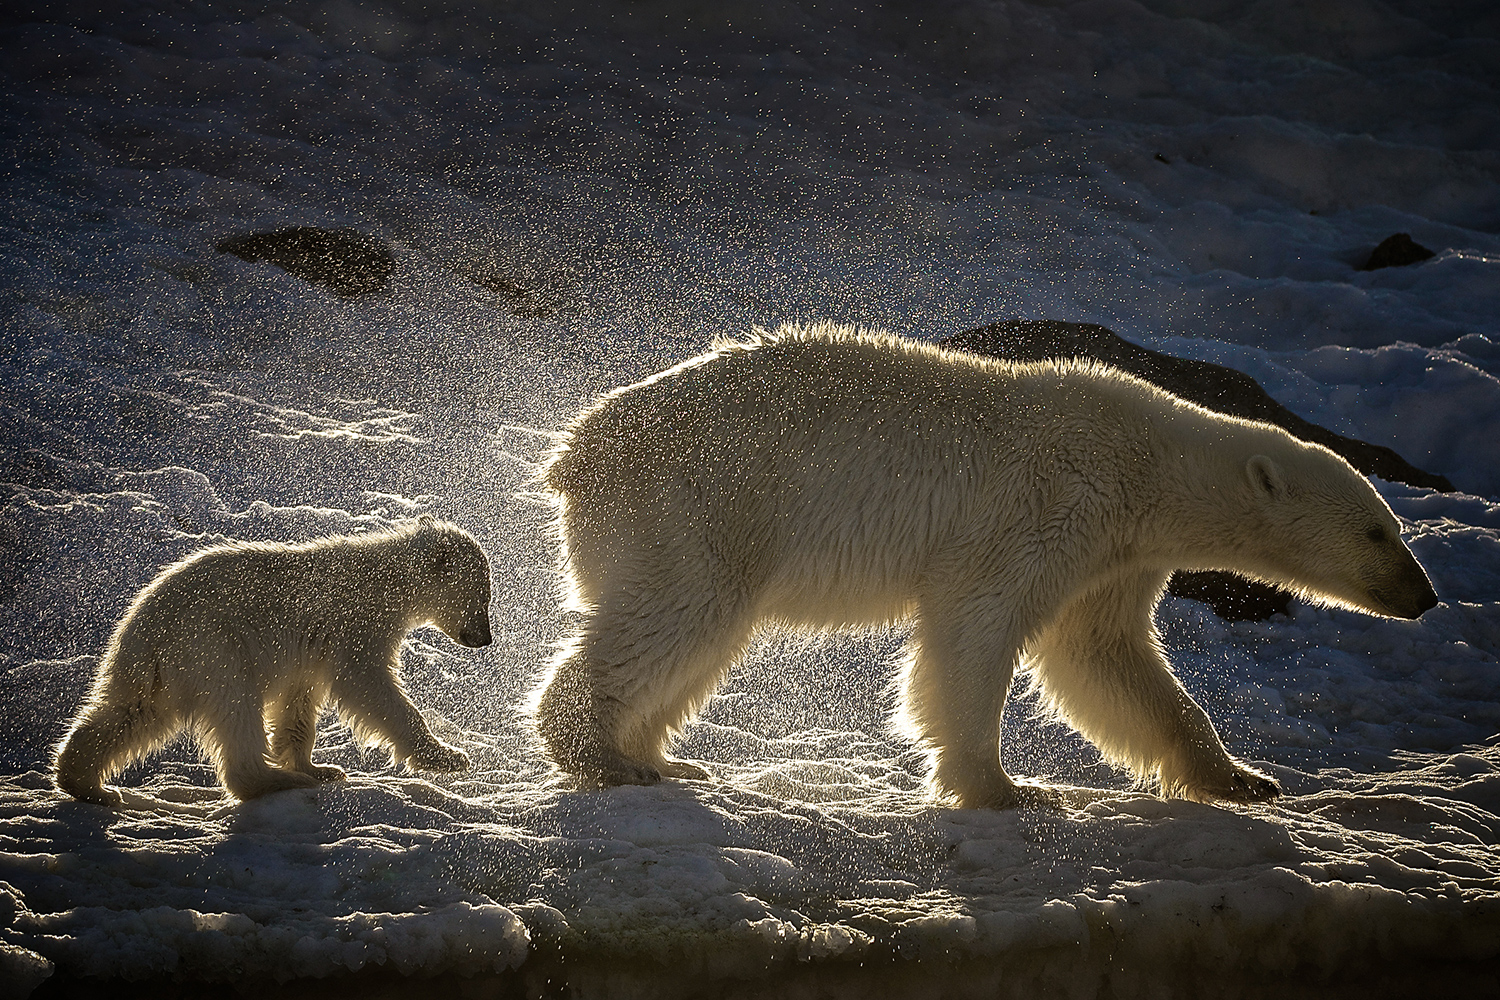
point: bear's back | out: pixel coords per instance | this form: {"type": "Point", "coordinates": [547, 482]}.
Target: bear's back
{"type": "Point", "coordinates": [248, 586]}
{"type": "Point", "coordinates": [834, 396]}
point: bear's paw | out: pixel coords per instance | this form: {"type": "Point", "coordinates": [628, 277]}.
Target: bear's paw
{"type": "Point", "coordinates": [671, 767]}
{"type": "Point", "coordinates": [439, 757]}
{"type": "Point", "coordinates": [1232, 782]}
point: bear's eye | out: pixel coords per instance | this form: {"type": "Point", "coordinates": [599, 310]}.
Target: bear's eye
{"type": "Point", "coordinates": [442, 560]}
{"type": "Point", "coordinates": [1376, 534]}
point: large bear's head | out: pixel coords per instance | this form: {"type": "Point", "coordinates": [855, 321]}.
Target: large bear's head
{"type": "Point", "coordinates": [453, 581]}
{"type": "Point", "coordinates": [1324, 531]}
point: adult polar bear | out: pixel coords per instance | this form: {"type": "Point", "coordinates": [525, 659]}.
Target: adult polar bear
{"type": "Point", "coordinates": [824, 478]}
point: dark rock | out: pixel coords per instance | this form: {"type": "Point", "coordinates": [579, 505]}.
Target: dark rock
{"type": "Point", "coordinates": [1396, 251]}
{"type": "Point", "coordinates": [521, 299]}
{"type": "Point", "coordinates": [345, 261]}
{"type": "Point", "coordinates": [1233, 598]}
{"type": "Point", "coordinates": [1213, 387]}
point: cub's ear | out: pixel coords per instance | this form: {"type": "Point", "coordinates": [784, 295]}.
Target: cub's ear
{"type": "Point", "coordinates": [427, 520]}
{"type": "Point", "coordinates": [1266, 478]}
{"type": "Point", "coordinates": [432, 550]}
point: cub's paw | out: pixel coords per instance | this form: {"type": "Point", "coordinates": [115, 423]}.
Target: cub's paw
{"type": "Point", "coordinates": [272, 779]}
{"type": "Point", "coordinates": [439, 757]}
{"type": "Point", "coordinates": [100, 796]}
{"type": "Point", "coordinates": [326, 772]}
{"type": "Point", "coordinates": [1249, 785]}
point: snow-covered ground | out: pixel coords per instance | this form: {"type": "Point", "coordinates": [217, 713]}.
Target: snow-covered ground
{"type": "Point", "coordinates": [1202, 178]}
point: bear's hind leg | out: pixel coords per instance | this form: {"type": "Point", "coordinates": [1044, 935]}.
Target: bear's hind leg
{"type": "Point", "coordinates": [294, 729]}
{"type": "Point", "coordinates": [370, 698]}
{"type": "Point", "coordinates": [568, 722]}
{"type": "Point", "coordinates": [105, 738]}
{"type": "Point", "coordinates": [642, 666]}
{"type": "Point", "coordinates": [1101, 668]}
{"type": "Point", "coordinates": [235, 737]}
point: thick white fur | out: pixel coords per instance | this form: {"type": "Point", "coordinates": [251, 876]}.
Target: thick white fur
{"type": "Point", "coordinates": [820, 478]}
{"type": "Point", "coordinates": [238, 638]}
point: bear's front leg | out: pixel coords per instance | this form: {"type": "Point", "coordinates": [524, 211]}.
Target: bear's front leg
{"type": "Point", "coordinates": [961, 660]}
{"type": "Point", "coordinates": [1206, 772]}
{"type": "Point", "coordinates": [1101, 668]}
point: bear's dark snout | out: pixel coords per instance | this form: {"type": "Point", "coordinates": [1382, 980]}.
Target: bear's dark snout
{"type": "Point", "coordinates": [1426, 601]}
{"type": "Point", "coordinates": [1419, 589]}
{"type": "Point", "coordinates": [1411, 601]}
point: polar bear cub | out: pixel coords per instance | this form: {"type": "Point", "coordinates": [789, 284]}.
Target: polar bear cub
{"type": "Point", "coordinates": [1021, 516]}
{"type": "Point", "coordinates": [240, 638]}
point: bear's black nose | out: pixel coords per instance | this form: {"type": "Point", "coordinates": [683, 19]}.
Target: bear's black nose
{"type": "Point", "coordinates": [1412, 605]}
{"type": "Point", "coordinates": [1426, 602]}
{"type": "Point", "coordinates": [474, 640]}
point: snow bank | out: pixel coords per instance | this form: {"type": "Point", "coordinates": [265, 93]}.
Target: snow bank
{"type": "Point", "coordinates": [1354, 873]}
{"type": "Point", "coordinates": [576, 197]}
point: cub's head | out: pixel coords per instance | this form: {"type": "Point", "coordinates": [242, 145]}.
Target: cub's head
{"type": "Point", "coordinates": [453, 581]}
{"type": "Point", "coordinates": [1326, 533]}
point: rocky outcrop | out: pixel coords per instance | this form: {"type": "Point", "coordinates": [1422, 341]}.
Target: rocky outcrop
{"type": "Point", "coordinates": [345, 261]}
{"type": "Point", "coordinates": [1397, 250]}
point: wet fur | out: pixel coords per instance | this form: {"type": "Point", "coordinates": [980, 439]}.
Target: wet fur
{"type": "Point", "coordinates": [241, 639]}
{"type": "Point", "coordinates": [820, 478]}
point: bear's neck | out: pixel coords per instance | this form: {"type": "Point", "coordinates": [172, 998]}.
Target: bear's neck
{"type": "Point", "coordinates": [1196, 512]}
{"type": "Point", "coordinates": [395, 608]}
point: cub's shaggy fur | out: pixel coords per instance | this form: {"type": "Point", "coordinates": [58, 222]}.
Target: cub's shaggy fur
{"type": "Point", "coordinates": [820, 478]}
{"type": "Point", "coordinates": [238, 638]}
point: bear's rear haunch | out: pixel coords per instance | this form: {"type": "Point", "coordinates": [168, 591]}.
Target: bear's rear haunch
{"type": "Point", "coordinates": [821, 478]}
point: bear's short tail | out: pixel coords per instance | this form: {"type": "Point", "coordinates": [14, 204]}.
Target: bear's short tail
{"type": "Point", "coordinates": [567, 471]}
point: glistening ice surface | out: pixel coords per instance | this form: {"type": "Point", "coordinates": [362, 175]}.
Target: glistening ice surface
{"type": "Point", "coordinates": [576, 199]}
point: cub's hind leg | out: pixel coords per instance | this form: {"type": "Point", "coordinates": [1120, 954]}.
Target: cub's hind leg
{"type": "Point", "coordinates": [294, 728]}
{"type": "Point", "coordinates": [106, 737]}
{"type": "Point", "coordinates": [233, 731]}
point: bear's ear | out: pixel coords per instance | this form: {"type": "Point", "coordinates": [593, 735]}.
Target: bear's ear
{"type": "Point", "coordinates": [427, 520]}
{"type": "Point", "coordinates": [1265, 478]}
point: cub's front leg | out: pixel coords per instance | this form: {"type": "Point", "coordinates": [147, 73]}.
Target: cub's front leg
{"type": "Point", "coordinates": [372, 700]}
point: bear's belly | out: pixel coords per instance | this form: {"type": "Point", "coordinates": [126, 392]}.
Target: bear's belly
{"type": "Point", "coordinates": [825, 593]}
